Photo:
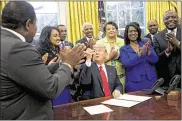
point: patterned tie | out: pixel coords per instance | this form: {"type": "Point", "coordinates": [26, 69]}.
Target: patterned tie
{"type": "Point", "coordinates": [105, 84]}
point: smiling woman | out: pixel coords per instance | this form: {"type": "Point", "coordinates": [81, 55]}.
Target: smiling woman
{"type": "Point", "coordinates": [49, 44]}
{"type": "Point", "coordinates": [138, 58]}
{"type": "Point", "coordinates": [112, 44]}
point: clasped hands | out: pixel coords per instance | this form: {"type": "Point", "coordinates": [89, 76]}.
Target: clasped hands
{"type": "Point", "coordinates": [145, 48]}
{"type": "Point", "coordinates": [172, 41]}
{"type": "Point", "coordinates": [112, 55]}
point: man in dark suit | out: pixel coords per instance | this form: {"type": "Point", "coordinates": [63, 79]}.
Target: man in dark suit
{"type": "Point", "coordinates": [63, 35]}
{"type": "Point", "coordinates": [27, 85]}
{"type": "Point", "coordinates": [102, 78]}
{"type": "Point", "coordinates": [88, 38]}
{"type": "Point", "coordinates": [153, 29]}
{"type": "Point", "coordinates": [167, 44]}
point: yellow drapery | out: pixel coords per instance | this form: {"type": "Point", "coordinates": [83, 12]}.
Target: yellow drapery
{"type": "Point", "coordinates": [155, 10]}
{"type": "Point", "coordinates": [2, 4]}
{"type": "Point", "coordinates": [79, 12]}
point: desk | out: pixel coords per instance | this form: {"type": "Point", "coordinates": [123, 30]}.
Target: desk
{"type": "Point", "coordinates": [153, 109]}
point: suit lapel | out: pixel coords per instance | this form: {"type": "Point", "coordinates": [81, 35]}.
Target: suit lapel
{"type": "Point", "coordinates": [178, 34]}
{"type": "Point", "coordinates": [150, 37]}
{"type": "Point", "coordinates": [130, 49]}
{"type": "Point", "coordinates": [164, 35]}
{"type": "Point", "coordinates": [109, 76]}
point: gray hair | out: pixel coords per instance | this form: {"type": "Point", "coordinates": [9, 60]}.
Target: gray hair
{"type": "Point", "coordinates": [100, 46]}
{"type": "Point", "coordinates": [87, 23]}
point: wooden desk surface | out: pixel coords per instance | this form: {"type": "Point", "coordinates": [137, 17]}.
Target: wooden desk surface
{"type": "Point", "coordinates": [152, 109]}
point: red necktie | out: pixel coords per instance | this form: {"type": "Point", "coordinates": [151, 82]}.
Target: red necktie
{"type": "Point", "coordinates": [104, 82]}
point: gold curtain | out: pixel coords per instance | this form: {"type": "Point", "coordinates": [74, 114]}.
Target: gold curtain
{"type": "Point", "coordinates": [2, 4]}
{"type": "Point", "coordinates": [155, 10]}
{"type": "Point", "coordinates": [78, 13]}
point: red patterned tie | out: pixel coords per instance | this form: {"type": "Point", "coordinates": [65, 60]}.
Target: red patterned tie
{"type": "Point", "coordinates": [104, 82]}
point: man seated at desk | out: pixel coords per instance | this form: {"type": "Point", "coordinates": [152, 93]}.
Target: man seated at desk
{"type": "Point", "coordinates": [102, 78]}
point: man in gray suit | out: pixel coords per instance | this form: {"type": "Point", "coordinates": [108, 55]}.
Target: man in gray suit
{"type": "Point", "coordinates": [167, 44]}
{"type": "Point", "coordinates": [27, 85]}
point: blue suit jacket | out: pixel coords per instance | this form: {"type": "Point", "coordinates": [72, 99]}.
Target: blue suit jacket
{"type": "Point", "coordinates": [91, 75]}
{"type": "Point", "coordinates": [135, 65]}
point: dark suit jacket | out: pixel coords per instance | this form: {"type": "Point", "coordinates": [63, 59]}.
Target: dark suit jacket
{"type": "Point", "coordinates": [27, 86]}
{"type": "Point", "coordinates": [167, 66]}
{"type": "Point", "coordinates": [69, 44]}
{"type": "Point", "coordinates": [83, 40]}
{"type": "Point", "coordinates": [91, 75]}
{"type": "Point", "coordinates": [148, 36]}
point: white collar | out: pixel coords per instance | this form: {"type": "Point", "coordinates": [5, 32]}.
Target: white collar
{"type": "Point", "coordinates": [15, 33]}
{"type": "Point", "coordinates": [103, 65]}
{"type": "Point", "coordinates": [88, 38]}
{"type": "Point", "coordinates": [174, 30]}
{"type": "Point", "coordinates": [153, 34]}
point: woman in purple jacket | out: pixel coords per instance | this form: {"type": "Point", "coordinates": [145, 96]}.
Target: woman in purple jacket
{"type": "Point", "coordinates": [138, 58]}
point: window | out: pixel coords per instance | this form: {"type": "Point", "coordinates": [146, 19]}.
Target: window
{"type": "Point", "coordinates": [47, 15]}
{"type": "Point", "coordinates": [125, 12]}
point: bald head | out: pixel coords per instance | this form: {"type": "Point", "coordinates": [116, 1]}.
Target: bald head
{"type": "Point", "coordinates": [152, 26]}
{"type": "Point", "coordinates": [171, 19]}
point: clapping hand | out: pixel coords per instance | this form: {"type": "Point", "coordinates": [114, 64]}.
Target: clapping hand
{"type": "Point", "coordinates": [73, 56]}
{"type": "Point", "coordinates": [142, 50]}
{"type": "Point", "coordinates": [44, 58]}
{"type": "Point", "coordinates": [148, 51]}
{"type": "Point", "coordinates": [171, 38]}
{"type": "Point", "coordinates": [113, 53]}
{"type": "Point", "coordinates": [91, 43]}
{"type": "Point", "coordinates": [169, 48]}
{"type": "Point", "coordinates": [88, 53]}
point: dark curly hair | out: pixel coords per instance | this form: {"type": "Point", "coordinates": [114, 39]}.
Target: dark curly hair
{"type": "Point", "coordinates": [45, 44]}
{"type": "Point", "coordinates": [126, 39]}
{"type": "Point", "coordinates": [16, 13]}
{"type": "Point", "coordinates": [110, 23]}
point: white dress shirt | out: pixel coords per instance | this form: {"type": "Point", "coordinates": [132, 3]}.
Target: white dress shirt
{"type": "Point", "coordinates": [174, 31]}
{"type": "Point", "coordinates": [15, 33]}
{"type": "Point", "coordinates": [88, 38]}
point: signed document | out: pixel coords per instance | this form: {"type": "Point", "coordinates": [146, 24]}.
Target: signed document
{"type": "Point", "coordinates": [134, 98]}
{"type": "Point", "coordinates": [122, 103]}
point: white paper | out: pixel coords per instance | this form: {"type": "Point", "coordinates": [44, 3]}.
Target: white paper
{"type": "Point", "coordinates": [97, 109]}
{"type": "Point", "coordinates": [133, 98]}
{"type": "Point", "coordinates": [123, 103]}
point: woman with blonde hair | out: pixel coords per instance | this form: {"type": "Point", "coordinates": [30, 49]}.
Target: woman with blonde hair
{"type": "Point", "coordinates": [113, 44]}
